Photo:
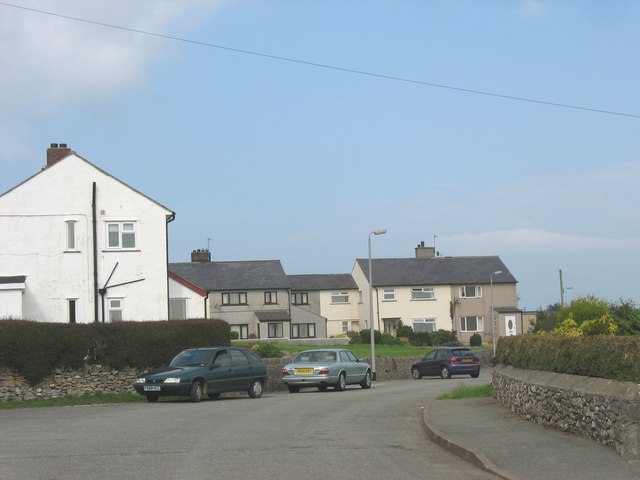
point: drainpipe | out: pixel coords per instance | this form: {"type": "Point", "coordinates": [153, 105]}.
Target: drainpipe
{"type": "Point", "coordinates": [170, 218]}
{"type": "Point", "coordinates": [96, 317]}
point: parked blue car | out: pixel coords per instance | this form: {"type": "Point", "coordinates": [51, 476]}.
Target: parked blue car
{"type": "Point", "coordinates": [447, 361]}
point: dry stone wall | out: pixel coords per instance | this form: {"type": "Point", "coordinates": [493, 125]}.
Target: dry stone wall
{"type": "Point", "coordinates": [603, 410]}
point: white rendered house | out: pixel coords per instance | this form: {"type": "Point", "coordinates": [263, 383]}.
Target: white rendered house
{"type": "Point", "coordinates": [89, 247]}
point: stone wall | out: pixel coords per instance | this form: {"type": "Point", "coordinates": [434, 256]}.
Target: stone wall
{"type": "Point", "coordinates": [98, 379]}
{"type": "Point", "coordinates": [603, 410]}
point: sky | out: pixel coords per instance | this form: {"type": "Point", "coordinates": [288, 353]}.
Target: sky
{"type": "Point", "coordinates": [292, 129]}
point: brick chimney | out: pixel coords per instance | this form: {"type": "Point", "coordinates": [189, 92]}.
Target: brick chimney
{"type": "Point", "coordinates": [201, 255]}
{"type": "Point", "coordinates": [56, 152]}
{"type": "Point", "coordinates": [425, 252]}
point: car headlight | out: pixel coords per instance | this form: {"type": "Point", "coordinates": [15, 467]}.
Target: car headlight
{"type": "Point", "coordinates": [172, 380]}
{"type": "Point", "coordinates": [141, 380]}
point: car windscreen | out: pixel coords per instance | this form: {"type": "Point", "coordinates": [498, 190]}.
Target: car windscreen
{"type": "Point", "coordinates": [318, 356]}
{"type": "Point", "coordinates": [190, 358]}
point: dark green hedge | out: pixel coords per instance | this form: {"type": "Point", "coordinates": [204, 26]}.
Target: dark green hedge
{"type": "Point", "coordinates": [35, 349]}
{"type": "Point", "coordinates": [603, 356]}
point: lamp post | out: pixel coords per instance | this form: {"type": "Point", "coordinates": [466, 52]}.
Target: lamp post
{"type": "Point", "coordinates": [493, 315]}
{"type": "Point", "coordinates": [380, 231]}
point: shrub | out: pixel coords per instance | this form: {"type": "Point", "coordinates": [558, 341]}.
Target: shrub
{"type": "Point", "coordinates": [475, 340]}
{"type": "Point", "coordinates": [366, 336]}
{"type": "Point", "coordinates": [388, 339]}
{"type": "Point", "coordinates": [354, 337]}
{"type": "Point", "coordinates": [445, 338]}
{"type": "Point", "coordinates": [234, 335]}
{"type": "Point", "coordinates": [267, 350]}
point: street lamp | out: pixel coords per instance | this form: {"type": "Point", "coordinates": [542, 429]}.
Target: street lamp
{"type": "Point", "coordinates": [380, 231]}
{"type": "Point", "coordinates": [493, 315]}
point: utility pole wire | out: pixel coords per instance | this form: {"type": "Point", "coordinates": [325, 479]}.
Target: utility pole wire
{"type": "Point", "coordinates": [324, 65]}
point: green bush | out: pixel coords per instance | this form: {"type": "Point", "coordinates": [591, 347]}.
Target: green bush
{"type": "Point", "coordinates": [603, 356]}
{"type": "Point", "coordinates": [354, 337]}
{"type": "Point", "coordinates": [475, 340]}
{"type": "Point", "coordinates": [388, 339]}
{"type": "Point", "coordinates": [445, 338]}
{"type": "Point", "coordinates": [234, 335]}
{"type": "Point", "coordinates": [36, 349]}
{"type": "Point", "coordinates": [366, 336]}
{"type": "Point", "coordinates": [267, 350]}
{"type": "Point", "coordinates": [421, 339]}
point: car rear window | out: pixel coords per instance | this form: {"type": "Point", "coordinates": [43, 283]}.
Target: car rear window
{"type": "Point", "coordinates": [462, 352]}
{"type": "Point", "coordinates": [313, 357]}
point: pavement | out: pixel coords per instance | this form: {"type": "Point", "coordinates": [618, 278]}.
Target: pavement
{"type": "Point", "coordinates": [487, 434]}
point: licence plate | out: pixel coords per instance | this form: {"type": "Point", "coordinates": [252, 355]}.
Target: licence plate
{"type": "Point", "coordinates": [304, 371]}
{"type": "Point", "coordinates": [467, 360]}
{"type": "Point", "coordinates": [151, 388]}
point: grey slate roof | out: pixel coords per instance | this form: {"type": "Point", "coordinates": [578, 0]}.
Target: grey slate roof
{"type": "Point", "coordinates": [241, 275]}
{"type": "Point", "coordinates": [436, 271]}
{"type": "Point", "coordinates": [332, 281]}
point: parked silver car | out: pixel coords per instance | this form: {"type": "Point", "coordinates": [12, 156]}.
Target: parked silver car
{"type": "Point", "coordinates": [327, 367]}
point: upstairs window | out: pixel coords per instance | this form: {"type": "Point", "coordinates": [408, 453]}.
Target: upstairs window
{"type": "Point", "coordinates": [300, 298]}
{"type": "Point", "coordinates": [121, 235]}
{"type": "Point", "coordinates": [71, 235]}
{"type": "Point", "coordinates": [270, 298]}
{"type": "Point", "coordinates": [339, 297]}
{"type": "Point", "coordinates": [389, 295]}
{"type": "Point", "coordinates": [424, 293]}
{"type": "Point", "coordinates": [234, 298]}
{"type": "Point", "coordinates": [471, 291]}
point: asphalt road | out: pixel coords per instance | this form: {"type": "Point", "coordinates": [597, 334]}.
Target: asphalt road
{"type": "Point", "coordinates": [373, 434]}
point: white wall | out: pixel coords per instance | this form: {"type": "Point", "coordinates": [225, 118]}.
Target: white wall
{"type": "Point", "coordinates": [195, 302]}
{"type": "Point", "coordinates": [35, 215]}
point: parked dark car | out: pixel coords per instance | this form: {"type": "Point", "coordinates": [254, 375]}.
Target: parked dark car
{"type": "Point", "coordinates": [324, 368]}
{"type": "Point", "coordinates": [200, 372]}
{"type": "Point", "coordinates": [447, 361]}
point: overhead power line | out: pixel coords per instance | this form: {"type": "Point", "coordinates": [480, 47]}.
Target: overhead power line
{"type": "Point", "coordinates": [324, 65]}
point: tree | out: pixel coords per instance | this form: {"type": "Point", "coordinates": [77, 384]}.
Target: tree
{"type": "Point", "coordinates": [584, 308]}
{"type": "Point", "coordinates": [545, 319]}
{"type": "Point", "coordinates": [627, 316]}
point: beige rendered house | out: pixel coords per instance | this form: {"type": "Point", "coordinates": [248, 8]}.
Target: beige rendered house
{"type": "Point", "coordinates": [430, 293]}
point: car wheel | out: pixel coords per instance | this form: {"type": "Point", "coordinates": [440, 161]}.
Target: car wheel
{"type": "Point", "coordinates": [475, 374]}
{"type": "Point", "coordinates": [196, 391]}
{"type": "Point", "coordinates": [415, 373]}
{"type": "Point", "coordinates": [213, 396]}
{"type": "Point", "coordinates": [256, 389]}
{"type": "Point", "coordinates": [293, 388]}
{"type": "Point", "coordinates": [323, 388]}
{"type": "Point", "coordinates": [342, 382]}
{"type": "Point", "coordinates": [445, 373]}
{"type": "Point", "coordinates": [366, 381]}
{"type": "Point", "coordinates": [152, 397]}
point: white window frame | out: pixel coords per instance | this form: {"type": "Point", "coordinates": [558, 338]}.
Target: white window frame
{"type": "Point", "coordinates": [121, 236]}
{"type": "Point", "coordinates": [345, 327]}
{"type": "Point", "coordinates": [115, 308]}
{"type": "Point", "coordinates": [479, 323]}
{"type": "Point", "coordinates": [242, 329]}
{"type": "Point", "coordinates": [71, 229]}
{"type": "Point", "coordinates": [423, 293]}
{"type": "Point", "coordinates": [389, 295]}
{"type": "Point", "coordinates": [477, 291]}
{"type": "Point", "coordinates": [336, 297]}
{"type": "Point", "coordinates": [424, 321]}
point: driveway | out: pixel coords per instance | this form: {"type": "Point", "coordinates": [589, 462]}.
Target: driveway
{"type": "Point", "coordinates": [357, 433]}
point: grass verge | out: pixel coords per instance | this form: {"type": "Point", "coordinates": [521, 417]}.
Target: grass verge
{"type": "Point", "coordinates": [467, 392]}
{"type": "Point", "coordinates": [93, 399]}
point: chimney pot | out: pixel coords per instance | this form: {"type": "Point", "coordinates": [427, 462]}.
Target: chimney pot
{"type": "Point", "coordinates": [200, 255]}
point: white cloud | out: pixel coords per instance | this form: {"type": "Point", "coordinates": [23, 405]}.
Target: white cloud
{"type": "Point", "coordinates": [49, 61]}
